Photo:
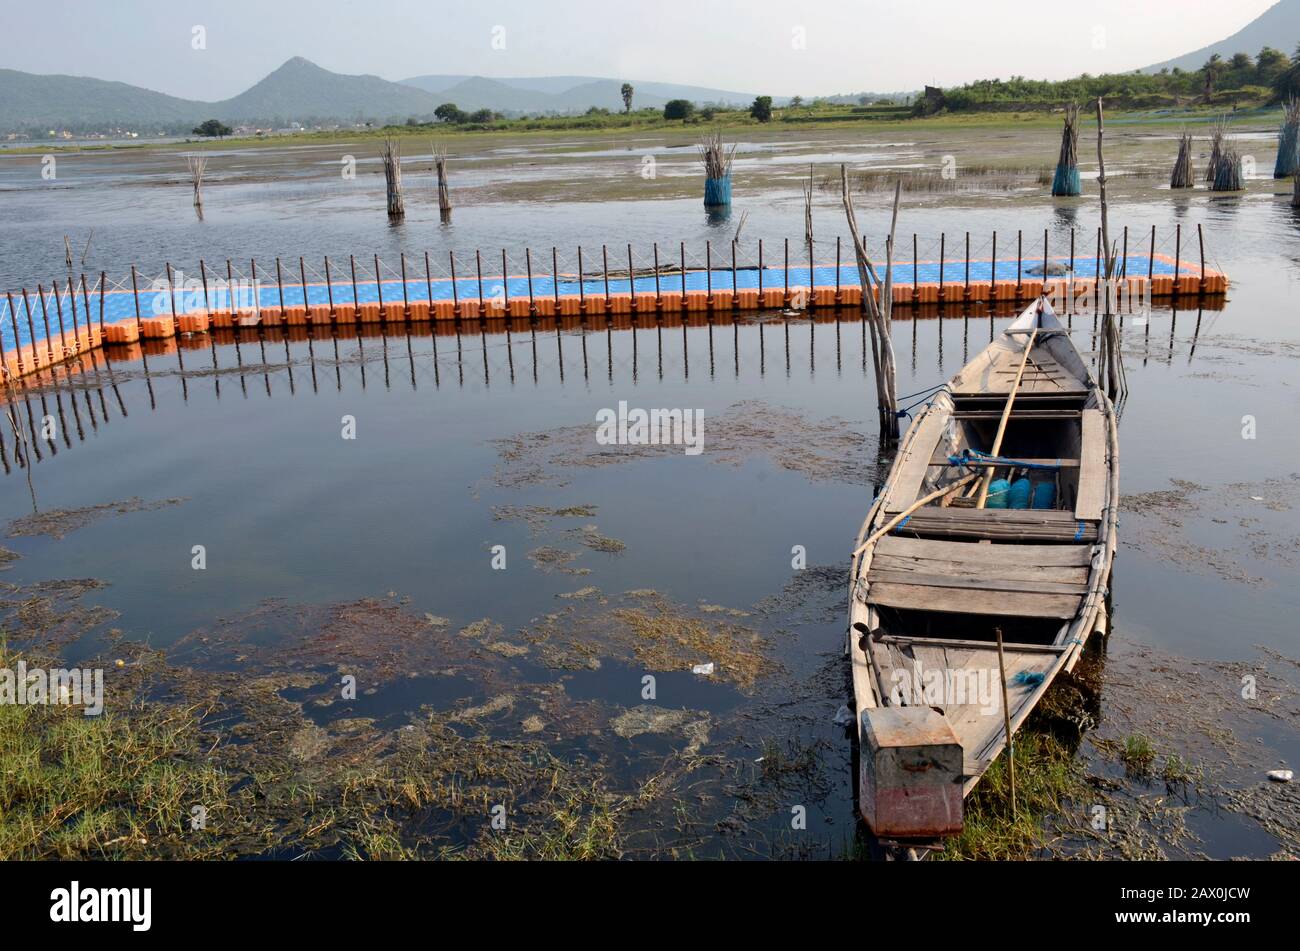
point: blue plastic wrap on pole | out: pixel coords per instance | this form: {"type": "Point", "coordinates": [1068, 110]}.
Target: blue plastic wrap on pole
{"type": "Point", "coordinates": [1288, 152]}
{"type": "Point", "coordinates": [717, 191]}
{"type": "Point", "coordinates": [1066, 182]}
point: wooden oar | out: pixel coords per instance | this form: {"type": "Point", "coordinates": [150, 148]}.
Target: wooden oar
{"type": "Point", "coordinates": [1006, 415]}
{"type": "Point", "coordinates": [937, 493]}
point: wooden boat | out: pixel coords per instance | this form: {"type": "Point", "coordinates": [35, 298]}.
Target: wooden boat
{"type": "Point", "coordinates": [939, 575]}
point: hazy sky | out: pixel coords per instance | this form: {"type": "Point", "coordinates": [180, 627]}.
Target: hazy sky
{"type": "Point", "coordinates": [764, 46]}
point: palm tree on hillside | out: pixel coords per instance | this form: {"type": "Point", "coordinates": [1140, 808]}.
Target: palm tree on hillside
{"type": "Point", "coordinates": [1212, 70]}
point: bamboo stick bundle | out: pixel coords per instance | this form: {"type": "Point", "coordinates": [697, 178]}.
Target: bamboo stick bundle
{"type": "Point", "coordinates": [1288, 141]}
{"type": "Point", "coordinates": [444, 197]}
{"type": "Point", "coordinates": [392, 156]}
{"type": "Point", "coordinates": [716, 158]}
{"type": "Point", "coordinates": [1218, 132]}
{"type": "Point", "coordinates": [1066, 182]}
{"type": "Point", "coordinates": [198, 165]}
{"type": "Point", "coordinates": [1227, 177]}
{"type": "Point", "coordinates": [1183, 175]}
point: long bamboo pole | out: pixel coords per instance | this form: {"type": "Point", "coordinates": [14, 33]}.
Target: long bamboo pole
{"type": "Point", "coordinates": [926, 500]}
{"type": "Point", "coordinates": [1006, 722]}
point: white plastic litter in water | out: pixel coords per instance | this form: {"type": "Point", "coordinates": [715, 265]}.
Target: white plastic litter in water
{"type": "Point", "coordinates": [1281, 775]}
{"type": "Point", "coordinates": [843, 716]}
{"type": "Point", "coordinates": [705, 669]}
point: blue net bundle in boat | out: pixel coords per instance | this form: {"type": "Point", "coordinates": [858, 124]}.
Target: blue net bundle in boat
{"type": "Point", "coordinates": [1018, 494]}
{"type": "Point", "coordinates": [1044, 495]}
{"type": "Point", "coordinates": [997, 497]}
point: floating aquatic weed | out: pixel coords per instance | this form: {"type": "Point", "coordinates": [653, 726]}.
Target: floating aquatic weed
{"type": "Point", "coordinates": [58, 523]}
{"type": "Point", "coordinates": [549, 558]}
{"type": "Point", "coordinates": [538, 517]}
{"type": "Point", "coordinates": [590, 536]}
{"type": "Point", "coordinates": [825, 450]}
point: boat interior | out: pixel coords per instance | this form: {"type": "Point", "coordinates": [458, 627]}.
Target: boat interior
{"type": "Point", "coordinates": [952, 570]}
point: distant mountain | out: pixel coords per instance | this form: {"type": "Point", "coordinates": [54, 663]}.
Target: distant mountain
{"type": "Point", "coordinates": [1278, 27]}
{"type": "Point", "coordinates": [300, 90]}
{"type": "Point", "coordinates": [477, 92]}
{"type": "Point", "coordinates": [567, 93]}
{"type": "Point", "coordinates": [28, 101]}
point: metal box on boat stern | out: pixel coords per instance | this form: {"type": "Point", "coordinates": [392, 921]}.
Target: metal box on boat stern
{"type": "Point", "coordinates": [911, 773]}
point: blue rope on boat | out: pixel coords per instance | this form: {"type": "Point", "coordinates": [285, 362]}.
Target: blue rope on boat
{"type": "Point", "coordinates": [974, 455]}
{"type": "Point", "coordinates": [1079, 534]}
{"type": "Point", "coordinates": [1027, 678]}
{"type": "Point", "coordinates": [900, 525]}
{"type": "Point", "coordinates": [928, 389]}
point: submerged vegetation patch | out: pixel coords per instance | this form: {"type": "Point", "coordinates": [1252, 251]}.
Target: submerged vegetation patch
{"type": "Point", "coordinates": [58, 523]}
{"type": "Point", "coordinates": [825, 450]}
{"type": "Point", "coordinates": [1240, 514]}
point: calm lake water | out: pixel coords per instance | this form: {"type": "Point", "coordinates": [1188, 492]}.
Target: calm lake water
{"type": "Point", "coordinates": [286, 508]}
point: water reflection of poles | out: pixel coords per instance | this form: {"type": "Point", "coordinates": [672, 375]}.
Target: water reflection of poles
{"type": "Point", "coordinates": [428, 284]}
{"type": "Point", "coordinates": [460, 358]}
{"type": "Point", "coordinates": [261, 328]}
{"type": "Point", "coordinates": [284, 325]}
{"type": "Point", "coordinates": [1173, 325]}
{"type": "Point", "coordinates": [236, 325]}
{"type": "Point", "coordinates": [67, 375]}
{"type": "Point", "coordinates": [686, 357]}
{"type": "Point", "coordinates": [812, 346]}
{"type": "Point", "coordinates": [68, 372]}
{"type": "Point", "coordinates": [180, 361]}
{"type": "Point", "coordinates": [609, 347]}
{"type": "Point", "coordinates": [108, 363]}
{"type": "Point", "coordinates": [710, 333]}
{"type": "Point", "coordinates": [311, 327]}
{"type": "Point", "coordinates": [532, 337]}
{"type": "Point", "coordinates": [383, 325]}
{"type": "Point", "coordinates": [334, 332]}
{"type": "Point", "coordinates": [1196, 333]}
{"type": "Point", "coordinates": [212, 336]}
{"type": "Point", "coordinates": [559, 345]}
{"type": "Point", "coordinates": [659, 334]}
{"type": "Point", "coordinates": [786, 326]}
{"type": "Point", "coordinates": [735, 345]}
{"type": "Point", "coordinates": [356, 302]}
{"type": "Point", "coordinates": [510, 347]}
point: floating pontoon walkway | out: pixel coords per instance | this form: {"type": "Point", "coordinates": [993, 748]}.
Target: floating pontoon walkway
{"type": "Point", "coordinates": [44, 328]}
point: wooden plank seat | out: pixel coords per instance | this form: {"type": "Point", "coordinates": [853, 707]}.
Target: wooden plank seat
{"type": "Point", "coordinates": [1013, 525]}
{"type": "Point", "coordinates": [1041, 581]}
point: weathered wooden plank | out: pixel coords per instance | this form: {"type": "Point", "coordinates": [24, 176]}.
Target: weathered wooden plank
{"type": "Point", "coordinates": [974, 414]}
{"type": "Point", "coordinates": [905, 486]}
{"type": "Point", "coordinates": [940, 458]}
{"type": "Point", "coordinates": [957, 601]}
{"type": "Point", "coordinates": [1092, 469]}
{"type": "Point", "coordinates": [1027, 525]}
{"type": "Point", "coordinates": [1062, 555]}
{"type": "Point", "coordinates": [988, 582]}
{"type": "Point", "coordinates": [967, 645]}
{"type": "Point", "coordinates": [979, 569]}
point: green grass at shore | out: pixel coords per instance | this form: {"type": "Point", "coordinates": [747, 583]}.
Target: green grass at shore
{"type": "Point", "coordinates": [734, 123]}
